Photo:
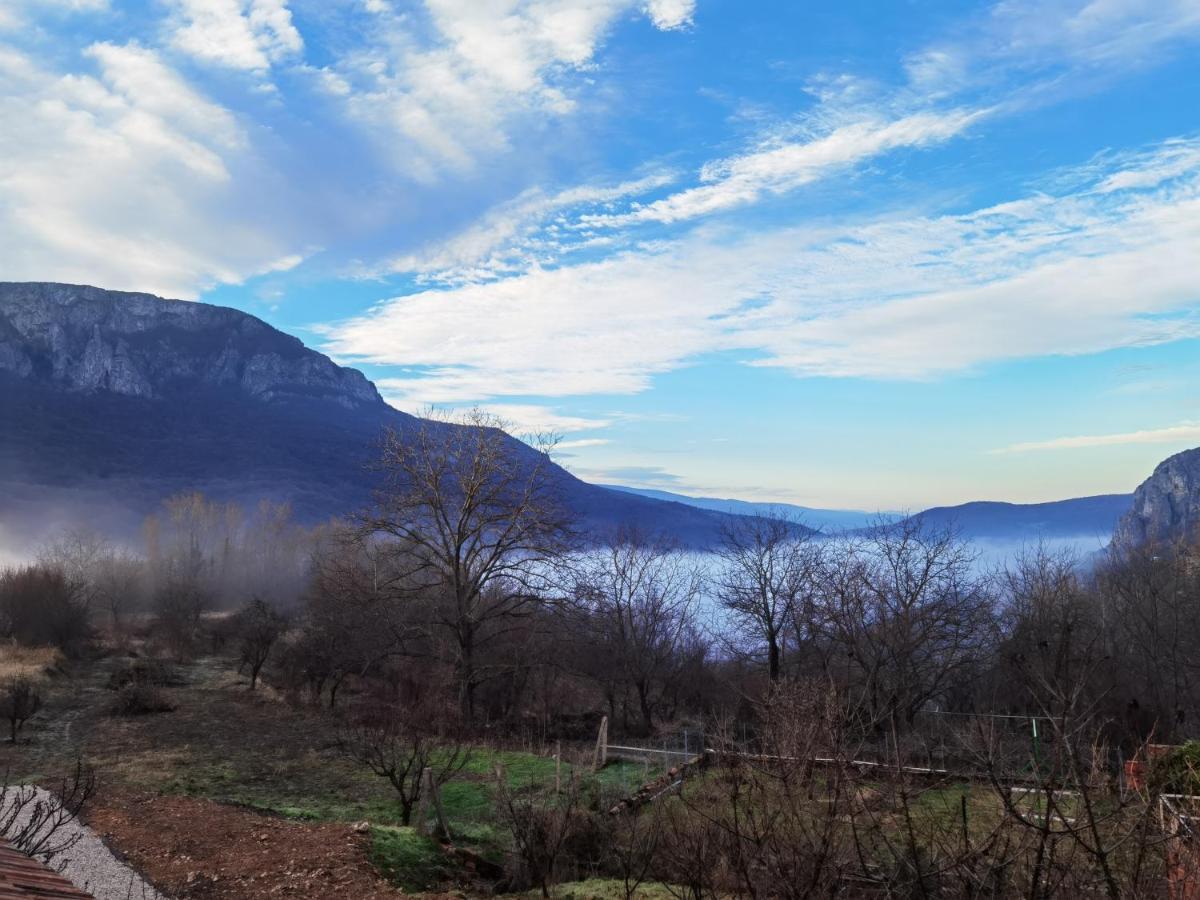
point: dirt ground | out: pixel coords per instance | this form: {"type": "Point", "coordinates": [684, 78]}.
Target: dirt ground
{"type": "Point", "coordinates": [197, 848]}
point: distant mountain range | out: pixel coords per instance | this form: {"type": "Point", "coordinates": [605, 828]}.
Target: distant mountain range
{"type": "Point", "coordinates": [826, 520]}
{"type": "Point", "coordinates": [1086, 518]}
{"type": "Point", "coordinates": [112, 401]}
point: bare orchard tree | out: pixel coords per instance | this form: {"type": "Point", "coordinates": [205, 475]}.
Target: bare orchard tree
{"type": "Point", "coordinates": [639, 598]}
{"type": "Point", "coordinates": [400, 744]}
{"type": "Point", "coordinates": [768, 567]}
{"type": "Point", "coordinates": [475, 519]}
{"type": "Point", "coordinates": [906, 616]}
{"type": "Point", "coordinates": [258, 626]}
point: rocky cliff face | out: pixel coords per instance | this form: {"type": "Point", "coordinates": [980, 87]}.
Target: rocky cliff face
{"type": "Point", "coordinates": [1167, 504]}
{"type": "Point", "coordinates": [87, 340]}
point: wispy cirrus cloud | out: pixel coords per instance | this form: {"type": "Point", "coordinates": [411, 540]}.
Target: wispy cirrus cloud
{"type": "Point", "coordinates": [745, 179]}
{"type": "Point", "coordinates": [1184, 433]}
{"type": "Point", "coordinates": [1073, 273]}
{"type": "Point", "coordinates": [516, 235]}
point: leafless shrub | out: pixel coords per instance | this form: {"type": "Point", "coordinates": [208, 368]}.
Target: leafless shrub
{"type": "Point", "coordinates": [543, 824]}
{"type": "Point", "coordinates": [19, 702]}
{"type": "Point", "coordinates": [400, 744]}
{"type": "Point", "coordinates": [258, 627]}
{"type": "Point", "coordinates": [139, 700]}
{"type": "Point", "coordinates": [36, 821]}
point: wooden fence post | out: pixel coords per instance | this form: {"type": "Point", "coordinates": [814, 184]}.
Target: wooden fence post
{"type": "Point", "coordinates": [434, 792]}
{"type": "Point", "coordinates": [423, 804]}
{"type": "Point", "coordinates": [600, 758]}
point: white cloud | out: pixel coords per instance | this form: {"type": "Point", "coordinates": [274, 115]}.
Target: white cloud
{"type": "Point", "coordinates": [240, 34]}
{"type": "Point", "coordinates": [124, 179]}
{"type": "Point", "coordinates": [511, 237]}
{"type": "Point", "coordinates": [455, 95]}
{"type": "Point", "coordinates": [581, 443]}
{"type": "Point", "coordinates": [1185, 433]}
{"type": "Point", "coordinates": [742, 180]}
{"type": "Point", "coordinates": [671, 14]}
{"type": "Point", "coordinates": [918, 298]}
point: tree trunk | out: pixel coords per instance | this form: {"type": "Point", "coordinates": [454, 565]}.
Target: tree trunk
{"type": "Point", "coordinates": [643, 691]}
{"type": "Point", "coordinates": [773, 656]}
{"type": "Point", "coordinates": [466, 669]}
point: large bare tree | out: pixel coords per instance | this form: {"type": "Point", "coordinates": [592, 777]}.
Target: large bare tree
{"type": "Point", "coordinates": [768, 567]}
{"type": "Point", "coordinates": [476, 522]}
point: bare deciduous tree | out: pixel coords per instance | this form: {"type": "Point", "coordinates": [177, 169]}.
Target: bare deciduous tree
{"type": "Point", "coordinates": [768, 567]}
{"type": "Point", "coordinates": [475, 519]}
{"type": "Point", "coordinates": [400, 745]}
{"type": "Point", "coordinates": [258, 627]}
{"type": "Point", "coordinates": [905, 615]}
{"type": "Point", "coordinates": [638, 596]}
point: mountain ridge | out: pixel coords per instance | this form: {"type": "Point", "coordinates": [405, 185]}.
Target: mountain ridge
{"type": "Point", "coordinates": [124, 398]}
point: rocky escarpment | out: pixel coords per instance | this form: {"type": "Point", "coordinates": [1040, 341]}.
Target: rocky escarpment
{"type": "Point", "coordinates": [87, 340]}
{"type": "Point", "coordinates": [1166, 505]}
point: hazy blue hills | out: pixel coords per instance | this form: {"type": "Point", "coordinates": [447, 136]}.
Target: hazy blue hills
{"type": "Point", "coordinates": [112, 401]}
{"type": "Point", "coordinates": [1083, 518]}
{"type": "Point", "coordinates": [827, 520]}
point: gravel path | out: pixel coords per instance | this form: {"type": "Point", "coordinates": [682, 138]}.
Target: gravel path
{"type": "Point", "coordinates": [92, 867]}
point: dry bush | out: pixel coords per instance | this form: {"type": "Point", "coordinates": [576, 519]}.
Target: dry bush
{"type": "Point", "coordinates": [145, 671]}
{"type": "Point", "coordinates": [550, 829]}
{"type": "Point", "coordinates": [139, 700]}
{"type": "Point", "coordinates": [20, 701]}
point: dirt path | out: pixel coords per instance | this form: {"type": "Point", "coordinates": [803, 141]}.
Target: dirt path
{"type": "Point", "coordinates": [194, 848]}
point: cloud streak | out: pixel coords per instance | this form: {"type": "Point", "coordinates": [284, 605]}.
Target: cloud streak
{"type": "Point", "coordinates": [1185, 433]}
{"type": "Point", "coordinates": [746, 179]}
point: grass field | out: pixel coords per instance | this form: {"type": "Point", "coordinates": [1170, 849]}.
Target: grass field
{"type": "Point", "coordinates": [255, 750]}
{"type": "Point", "coordinates": [35, 663]}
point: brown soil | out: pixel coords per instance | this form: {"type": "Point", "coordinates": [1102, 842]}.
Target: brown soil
{"type": "Point", "coordinates": [197, 848]}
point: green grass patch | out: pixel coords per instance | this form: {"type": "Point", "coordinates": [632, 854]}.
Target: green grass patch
{"type": "Point", "coordinates": [408, 860]}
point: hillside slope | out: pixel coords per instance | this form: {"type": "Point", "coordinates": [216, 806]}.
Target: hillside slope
{"type": "Point", "coordinates": [112, 401]}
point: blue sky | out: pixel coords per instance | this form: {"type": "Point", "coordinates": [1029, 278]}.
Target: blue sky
{"type": "Point", "coordinates": [863, 254]}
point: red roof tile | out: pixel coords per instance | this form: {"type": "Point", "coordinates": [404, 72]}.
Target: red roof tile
{"type": "Point", "coordinates": [22, 878]}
